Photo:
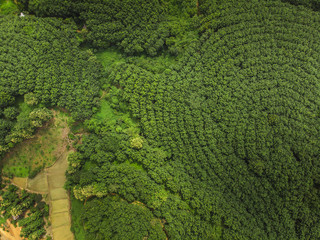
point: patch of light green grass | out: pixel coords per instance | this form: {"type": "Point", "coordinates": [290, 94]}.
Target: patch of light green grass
{"type": "Point", "coordinates": [77, 225]}
{"type": "Point", "coordinates": [109, 56]}
{"type": "Point", "coordinates": [40, 151]}
{"type": "Point", "coordinates": [17, 171]}
{"type": "Point", "coordinates": [106, 112]}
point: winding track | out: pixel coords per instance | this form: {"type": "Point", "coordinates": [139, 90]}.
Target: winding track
{"type": "Point", "coordinates": [51, 182]}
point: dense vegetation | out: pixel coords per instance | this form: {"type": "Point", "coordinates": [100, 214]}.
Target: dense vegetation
{"type": "Point", "coordinates": [135, 26]}
{"type": "Point", "coordinates": [40, 61]}
{"type": "Point", "coordinates": [230, 133]}
{"type": "Point", "coordinates": [26, 209]}
{"type": "Point", "coordinates": [313, 4]}
{"type": "Point", "coordinates": [221, 141]}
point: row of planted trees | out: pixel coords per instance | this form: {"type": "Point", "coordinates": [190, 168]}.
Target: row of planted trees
{"type": "Point", "coordinates": [25, 209]}
{"type": "Point", "coordinates": [237, 124]}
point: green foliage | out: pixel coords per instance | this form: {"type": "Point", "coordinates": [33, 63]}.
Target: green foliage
{"type": "Point", "coordinates": [30, 99]}
{"type": "Point", "coordinates": [40, 59]}
{"type": "Point", "coordinates": [238, 115]}
{"type": "Point", "coordinates": [6, 97]}
{"type": "Point", "coordinates": [16, 203]}
{"type": "Point", "coordinates": [8, 7]}
{"type": "Point", "coordinates": [39, 115]}
{"type": "Point", "coordinates": [134, 26]}
{"type": "Point", "coordinates": [15, 171]}
{"type": "Point", "coordinates": [136, 142]}
{"type": "Point", "coordinates": [113, 218]}
{"type": "Point", "coordinates": [110, 164]}
{"type": "Point", "coordinates": [313, 4]}
{"type": "Point", "coordinates": [47, 66]}
{"type": "Point", "coordinates": [53, 8]}
{"type": "Point", "coordinates": [32, 226]}
{"type": "Point", "coordinates": [77, 223]}
{"type": "Point", "coordinates": [11, 113]}
{"type": "Point", "coordinates": [74, 162]}
{"type": "Point", "coordinates": [131, 25]}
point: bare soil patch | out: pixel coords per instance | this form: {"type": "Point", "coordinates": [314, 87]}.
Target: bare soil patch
{"type": "Point", "coordinates": [52, 178]}
{"type": "Point", "coordinates": [13, 234]}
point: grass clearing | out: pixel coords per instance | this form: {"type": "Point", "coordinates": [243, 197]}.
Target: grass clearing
{"type": "Point", "coordinates": [109, 56]}
{"type": "Point", "coordinates": [77, 226]}
{"type": "Point", "coordinates": [39, 183]}
{"type": "Point", "coordinates": [38, 152]}
{"type": "Point", "coordinates": [106, 112]}
{"type": "Point", "coordinates": [121, 122]}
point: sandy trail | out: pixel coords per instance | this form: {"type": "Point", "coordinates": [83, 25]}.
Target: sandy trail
{"type": "Point", "coordinates": [59, 199]}
{"type": "Point", "coordinates": [13, 234]}
{"type": "Point", "coordinates": [51, 181]}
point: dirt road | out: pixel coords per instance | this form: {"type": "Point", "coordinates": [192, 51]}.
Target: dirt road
{"type": "Point", "coordinates": [51, 181]}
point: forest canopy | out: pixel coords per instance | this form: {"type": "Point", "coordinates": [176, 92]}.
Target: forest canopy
{"type": "Point", "coordinates": [42, 65]}
{"type": "Point", "coordinates": [219, 142]}
{"type": "Point", "coordinates": [134, 26]}
{"type": "Point", "coordinates": [237, 119]}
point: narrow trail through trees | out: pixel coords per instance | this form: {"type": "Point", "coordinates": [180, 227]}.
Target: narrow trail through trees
{"type": "Point", "coordinates": [51, 181]}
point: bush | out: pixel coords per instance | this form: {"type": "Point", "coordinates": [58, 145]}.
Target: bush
{"type": "Point", "coordinates": [35, 172]}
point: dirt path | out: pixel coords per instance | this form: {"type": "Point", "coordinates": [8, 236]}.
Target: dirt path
{"type": "Point", "coordinates": [51, 181]}
{"type": "Point", "coordinates": [59, 199]}
{"type": "Point", "coordinates": [13, 234]}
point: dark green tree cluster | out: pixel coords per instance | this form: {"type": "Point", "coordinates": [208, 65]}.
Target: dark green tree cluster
{"type": "Point", "coordinates": [313, 4]}
{"type": "Point", "coordinates": [135, 26]}
{"type": "Point", "coordinates": [40, 60]}
{"type": "Point", "coordinates": [8, 7]}
{"type": "Point", "coordinates": [237, 121]}
{"type": "Point", "coordinates": [115, 160]}
{"type": "Point", "coordinates": [16, 203]}
{"type": "Point", "coordinates": [41, 56]}
{"type": "Point", "coordinates": [113, 218]}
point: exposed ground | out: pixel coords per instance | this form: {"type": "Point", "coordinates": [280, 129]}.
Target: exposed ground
{"type": "Point", "coordinates": [51, 180]}
{"type": "Point", "coordinates": [12, 234]}
{"type": "Point", "coordinates": [59, 199]}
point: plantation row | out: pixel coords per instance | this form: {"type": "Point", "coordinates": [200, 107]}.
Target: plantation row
{"type": "Point", "coordinates": [26, 209]}
{"type": "Point", "coordinates": [221, 141]}
{"type": "Point", "coordinates": [37, 64]}
{"type": "Point", "coordinates": [39, 57]}
{"type": "Point", "coordinates": [134, 26]}
{"type": "Point", "coordinates": [240, 118]}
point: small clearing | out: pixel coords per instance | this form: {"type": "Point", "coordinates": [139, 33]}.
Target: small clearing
{"type": "Point", "coordinates": [54, 142]}
{"type": "Point", "coordinates": [39, 152]}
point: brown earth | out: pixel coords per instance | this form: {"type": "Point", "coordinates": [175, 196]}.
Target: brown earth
{"type": "Point", "coordinates": [13, 234]}
{"type": "Point", "coordinates": [51, 181]}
